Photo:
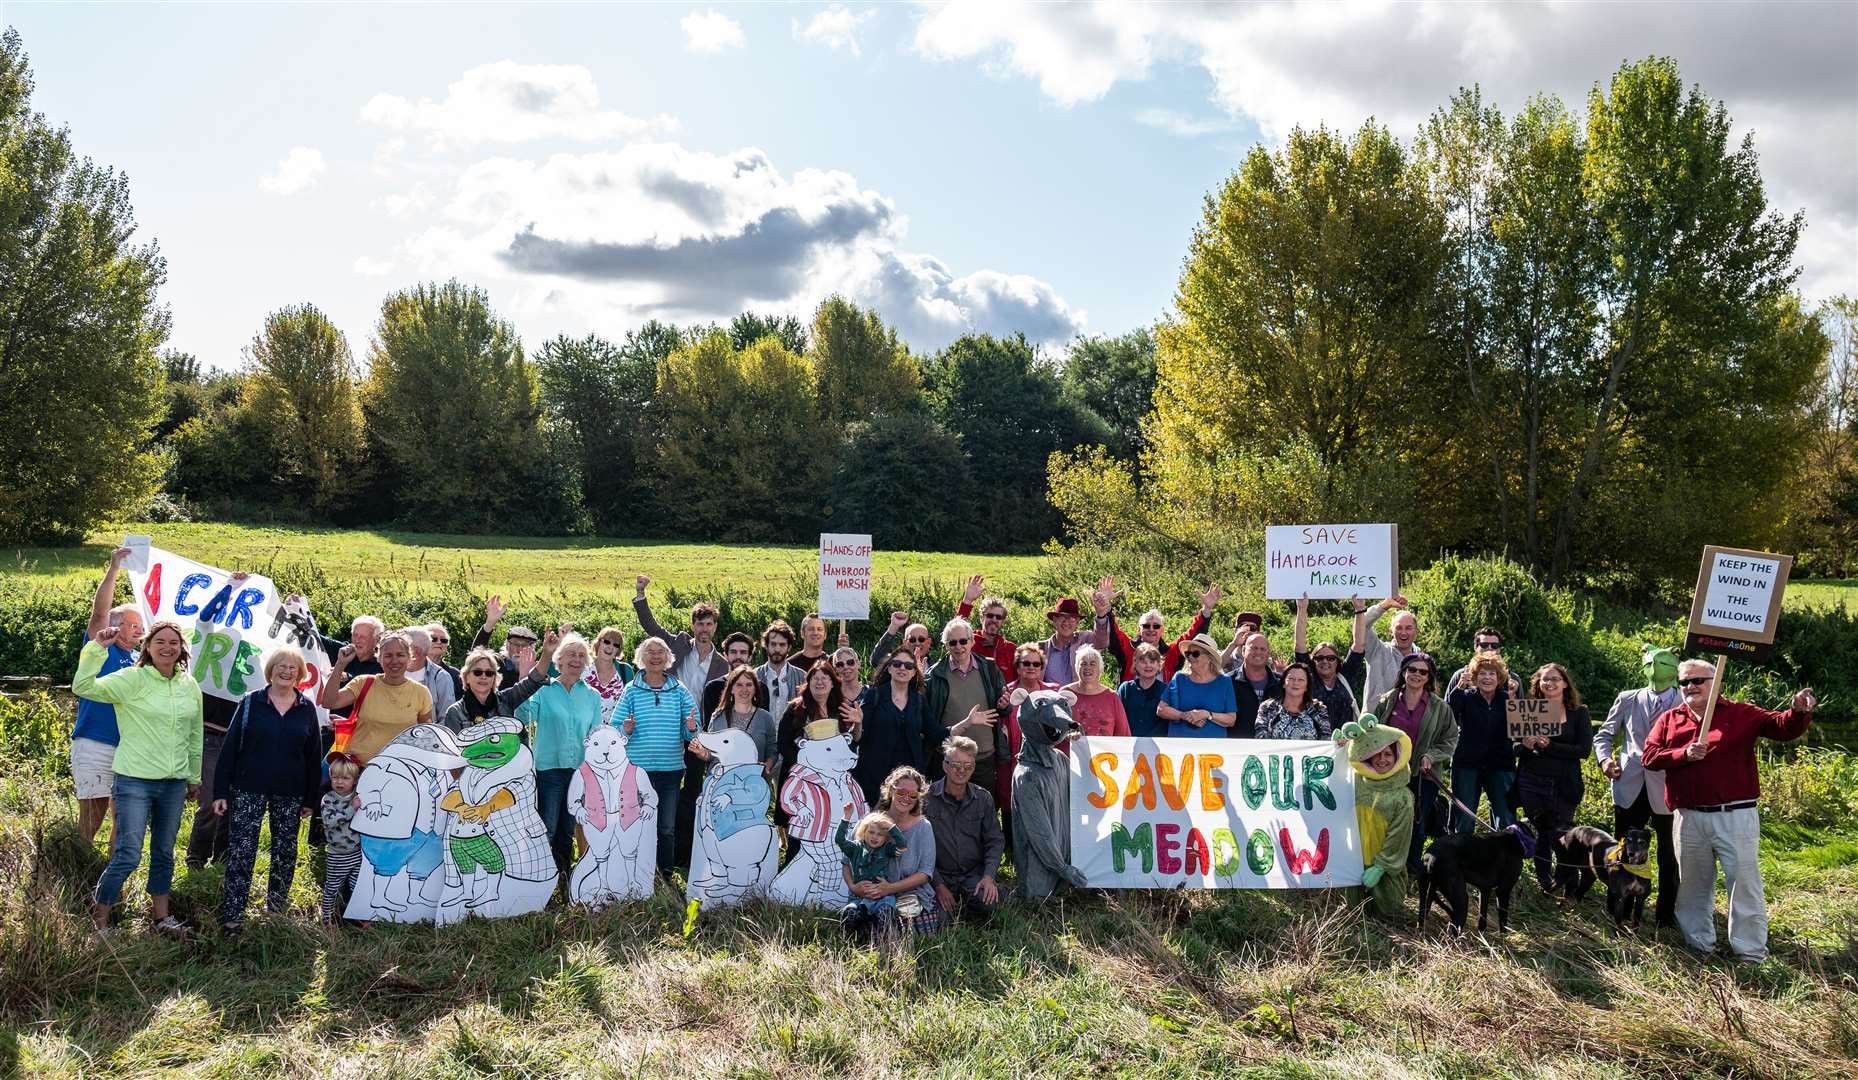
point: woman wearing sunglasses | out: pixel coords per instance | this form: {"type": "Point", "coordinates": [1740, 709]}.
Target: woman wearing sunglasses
{"type": "Point", "coordinates": [1330, 685]}
{"type": "Point", "coordinates": [482, 700]}
{"type": "Point", "coordinates": [1427, 720]}
{"type": "Point", "coordinates": [895, 725]}
{"type": "Point", "coordinates": [1199, 702]}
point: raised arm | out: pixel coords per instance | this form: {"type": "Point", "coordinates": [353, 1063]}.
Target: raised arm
{"type": "Point", "coordinates": [1301, 644]}
{"type": "Point", "coordinates": [643, 609]}
{"type": "Point", "coordinates": [101, 603]}
{"type": "Point", "coordinates": [112, 689]}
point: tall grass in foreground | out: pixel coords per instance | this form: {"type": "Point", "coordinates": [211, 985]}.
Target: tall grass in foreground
{"type": "Point", "coordinates": [1149, 984]}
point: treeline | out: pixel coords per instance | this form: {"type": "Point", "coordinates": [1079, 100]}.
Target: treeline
{"type": "Point", "coordinates": [1570, 337]}
{"type": "Point", "coordinates": [764, 429]}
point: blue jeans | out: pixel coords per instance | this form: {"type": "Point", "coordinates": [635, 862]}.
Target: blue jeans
{"type": "Point", "coordinates": [143, 806]}
{"type": "Point", "coordinates": [551, 796]}
{"type": "Point", "coordinates": [1468, 781]}
{"type": "Point", "coordinates": [667, 784]}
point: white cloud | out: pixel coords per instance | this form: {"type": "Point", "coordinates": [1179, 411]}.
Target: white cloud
{"type": "Point", "coordinates": [369, 266]}
{"type": "Point", "coordinates": [1783, 71]}
{"type": "Point", "coordinates": [507, 102]}
{"type": "Point", "coordinates": [296, 171]}
{"type": "Point", "coordinates": [654, 229]}
{"type": "Point", "coordinates": [403, 204]}
{"type": "Point", "coordinates": [1187, 127]}
{"type": "Point", "coordinates": [836, 28]}
{"type": "Point", "coordinates": [711, 32]}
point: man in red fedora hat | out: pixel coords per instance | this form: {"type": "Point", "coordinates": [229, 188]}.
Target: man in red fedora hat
{"type": "Point", "coordinates": [1062, 646]}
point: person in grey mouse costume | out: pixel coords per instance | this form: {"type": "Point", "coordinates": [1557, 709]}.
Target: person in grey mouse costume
{"type": "Point", "coordinates": [1042, 793]}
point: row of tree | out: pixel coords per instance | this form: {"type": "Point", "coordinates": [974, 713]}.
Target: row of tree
{"type": "Point", "coordinates": [765, 429]}
{"type": "Point", "coordinates": [1573, 338]}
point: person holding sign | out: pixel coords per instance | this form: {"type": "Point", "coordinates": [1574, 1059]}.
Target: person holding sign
{"type": "Point", "coordinates": [1483, 761]}
{"type": "Point", "coordinates": [157, 761]}
{"type": "Point", "coordinates": [1705, 746]}
{"type": "Point", "coordinates": [93, 736]}
{"type": "Point", "coordinates": [1548, 767]}
{"type": "Point", "coordinates": [1382, 659]}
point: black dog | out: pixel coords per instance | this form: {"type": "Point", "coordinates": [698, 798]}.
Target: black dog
{"type": "Point", "coordinates": [1585, 854]}
{"type": "Point", "coordinates": [1490, 862]}
{"type": "Point", "coordinates": [1580, 859]}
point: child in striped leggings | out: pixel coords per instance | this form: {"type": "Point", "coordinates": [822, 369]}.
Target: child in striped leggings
{"type": "Point", "coordinates": [343, 848]}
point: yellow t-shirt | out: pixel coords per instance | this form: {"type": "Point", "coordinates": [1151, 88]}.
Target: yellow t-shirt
{"type": "Point", "coordinates": [386, 712]}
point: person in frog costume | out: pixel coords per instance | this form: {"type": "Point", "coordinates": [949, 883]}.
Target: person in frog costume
{"type": "Point", "coordinates": [496, 840]}
{"type": "Point", "coordinates": [1638, 792]}
{"type": "Point", "coordinates": [1381, 756]}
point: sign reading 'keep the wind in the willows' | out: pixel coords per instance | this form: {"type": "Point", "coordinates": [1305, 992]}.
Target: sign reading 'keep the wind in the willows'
{"type": "Point", "coordinates": [1737, 606]}
{"type": "Point", "coordinates": [1213, 814]}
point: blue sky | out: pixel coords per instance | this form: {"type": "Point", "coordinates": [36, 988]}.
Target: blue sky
{"type": "Point", "coordinates": [990, 166]}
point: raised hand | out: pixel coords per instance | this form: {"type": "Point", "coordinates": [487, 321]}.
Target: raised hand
{"type": "Point", "coordinates": [1303, 604]}
{"type": "Point", "coordinates": [117, 556]}
{"type": "Point", "coordinates": [1210, 599]}
{"type": "Point", "coordinates": [493, 611]}
{"type": "Point", "coordinates": [640, 582]}
{"type": "Point", "coordinates": [979, 715]}
{"type": "Point", "coordinates": [1805, 700]}
{"type": "Point", "coordinates": [1104, 595]}
{"type": "Point", "coordinates": [898, 619]}
{"type": "Point", "coordinates": [106, 635]}
{"type": "Point", "coordinates": [1397, 600]}
{"type": "Point", "coordinates": [344, 656]}
{"type": "Point", "coordinates": [973, 592]}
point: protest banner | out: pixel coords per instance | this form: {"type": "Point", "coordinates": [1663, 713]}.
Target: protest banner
{"type": "Point", "coordinates": [1213, 814]}
{"type": "Point", "coordinates": [1737, 605]}
{"type": "Point", "coordinates": [1331, 562]}
{"type": "Point", "coordinates": [1534, 718]}
{"type": "Point", "coordinates": [229, 629]}
{"type": "Point", "coordinates": [844, 575]}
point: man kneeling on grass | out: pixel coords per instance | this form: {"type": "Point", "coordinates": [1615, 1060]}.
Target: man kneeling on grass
{"type": "Point", "coordinates": [968, 840]}
{"type": "Point", "coordinates": [1712, 786]}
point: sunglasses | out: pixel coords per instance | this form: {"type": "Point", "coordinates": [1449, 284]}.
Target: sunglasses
{"type": "Point", "coordinates": [902, 665]}
{"type": "Point", "coordinates": [1151, 626]}
{"type": "Point", "coordinates": [1032, 663]}
{"type": "Point", "coordinates": [1194, 654]}
{"type": "Point", "coordinates": [1424, 673]}
{"type": "Point", "coordinates": [441, 640]}
{"type": "Point", "coordinates": [1697, 680]}
{"type": "Point", "coordinates": [918, 640]}
{"type": "Point", "coordinates": [488, 673]}
{"type": "Point", "coordinates": [958, 641]}
{"type": "Point", "coordinates": [992, 616]}
{"type": "Point", "coordinates": [845, 663]}
{"type": "Point", "coordinates": [957, 766]}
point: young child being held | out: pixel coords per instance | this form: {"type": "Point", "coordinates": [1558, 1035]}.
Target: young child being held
{"type": "Point", "coordinates": [873, 843]}
{"type": "Point", "coordinates": [1380, 754]}
{"type": "Point", "coordinates": [343, 851]}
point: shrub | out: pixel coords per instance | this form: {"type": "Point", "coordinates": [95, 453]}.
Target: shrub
{"type": "Point", "coordinates": [35, 736]}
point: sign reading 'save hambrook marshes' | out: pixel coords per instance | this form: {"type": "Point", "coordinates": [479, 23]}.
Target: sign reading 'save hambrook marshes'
{"type": "Point", "coordinates": [1331, 562]}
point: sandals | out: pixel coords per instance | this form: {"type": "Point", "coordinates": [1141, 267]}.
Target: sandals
{"type": "Point", "coordinates": [171, 927]}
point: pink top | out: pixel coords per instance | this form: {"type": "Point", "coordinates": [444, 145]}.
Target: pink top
{"type": "Point", "coordinates": [1099, 715]}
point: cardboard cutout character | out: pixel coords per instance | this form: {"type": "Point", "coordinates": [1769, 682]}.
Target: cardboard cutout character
{"type": "Point", "coordinates": [500, 859]}
{"type": "Point", "coordinates": [401, 827]}
{"type": "Point", "coordinates": [819, 793]}
{"type": "Point", "coordinates": [614, 801]}
{"type": "Point", "coordinates": [1042, 793]}
{"type": "Point", "coordinates": [736, 853]}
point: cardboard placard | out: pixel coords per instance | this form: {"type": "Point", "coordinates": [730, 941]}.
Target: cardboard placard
{"type": "Point", "coordinates": [1331, 562]}
{"type": "Point", "coordinates": [1534, 718]}
{"type": "Point", "coordinates": [844, 575]}
{"type": "Point", "coordinates": [1737, 605]}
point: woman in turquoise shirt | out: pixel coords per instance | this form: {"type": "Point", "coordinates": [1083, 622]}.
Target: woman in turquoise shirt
{"type": "Point", "coordinates": [560, 715]}
{"type": "Point", "coordinates": [157, 761]}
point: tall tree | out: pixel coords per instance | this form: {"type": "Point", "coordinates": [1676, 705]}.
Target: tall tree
{"type": "Point", "coordinates": [1114, 377]}
{"type": "Point", "coordinates": [861, 368]}
{"type": "Point", "coordinates": [302, 392]}
{"type": "Point", "coordinates": [451, 403]}
{"type": "Point", "coordinates": [747, 328]}
{"type": "Point", "coordinates": [1006, 405]}
{"type": "Point", "coordinates": [1687, 240]}
{"type": "Point", "coordinates": [743, 453]}
{"type": "Point", "coordinates": [79, 329]}
{"type": "Point", "coordinates": [598, 398]}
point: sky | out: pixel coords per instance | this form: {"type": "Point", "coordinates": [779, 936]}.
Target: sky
{"type": "Point", "coordinates": [959, 167]}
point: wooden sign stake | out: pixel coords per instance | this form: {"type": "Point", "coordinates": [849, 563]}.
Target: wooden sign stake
{"type": "Point", "coordinates": [1709, 708]}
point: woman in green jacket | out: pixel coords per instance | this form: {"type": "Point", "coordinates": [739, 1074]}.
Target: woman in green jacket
{"type": "Point", "coordinates": [1414, 708]}
{"type": "Point", "coordinates": [157, 761]}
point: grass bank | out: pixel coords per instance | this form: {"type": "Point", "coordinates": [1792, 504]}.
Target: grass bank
{"type": "Point", "coordinates": [1151, 984]}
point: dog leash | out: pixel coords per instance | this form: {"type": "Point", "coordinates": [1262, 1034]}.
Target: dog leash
{"type": "Point", "coordinates": [1468, 812]}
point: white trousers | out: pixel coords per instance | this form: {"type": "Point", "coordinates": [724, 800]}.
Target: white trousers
{"type": "Point", "coordinates": [1733, 839]}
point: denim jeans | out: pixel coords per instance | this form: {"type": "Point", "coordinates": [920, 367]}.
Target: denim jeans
{"type": "Point", "coordinates": [667, 784]}
{"type": "Point", "coordinates": [143, 806]}
{"type": "Point", "coordinates": [1468, 781]}
{"type": "Point", "coordinates": [551, 795]}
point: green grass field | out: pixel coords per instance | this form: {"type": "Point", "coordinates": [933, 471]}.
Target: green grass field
{"type": "Point", "coordinates": [496, 563]}
{"type": "Point", "coordinates": [1822, 594]}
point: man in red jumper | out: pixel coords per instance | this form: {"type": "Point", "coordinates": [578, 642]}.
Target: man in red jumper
{"type": "Point", "coordinates": [990, 641]}
{"type": "Point", "coordinates": [1712, 787]}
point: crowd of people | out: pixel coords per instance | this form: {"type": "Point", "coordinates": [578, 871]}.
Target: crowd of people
{"type": "Point", "coordinates": [937, 737]}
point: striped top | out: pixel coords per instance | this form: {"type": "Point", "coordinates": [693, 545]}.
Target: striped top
{"type": "Point", "coordinates": [661, 713]}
